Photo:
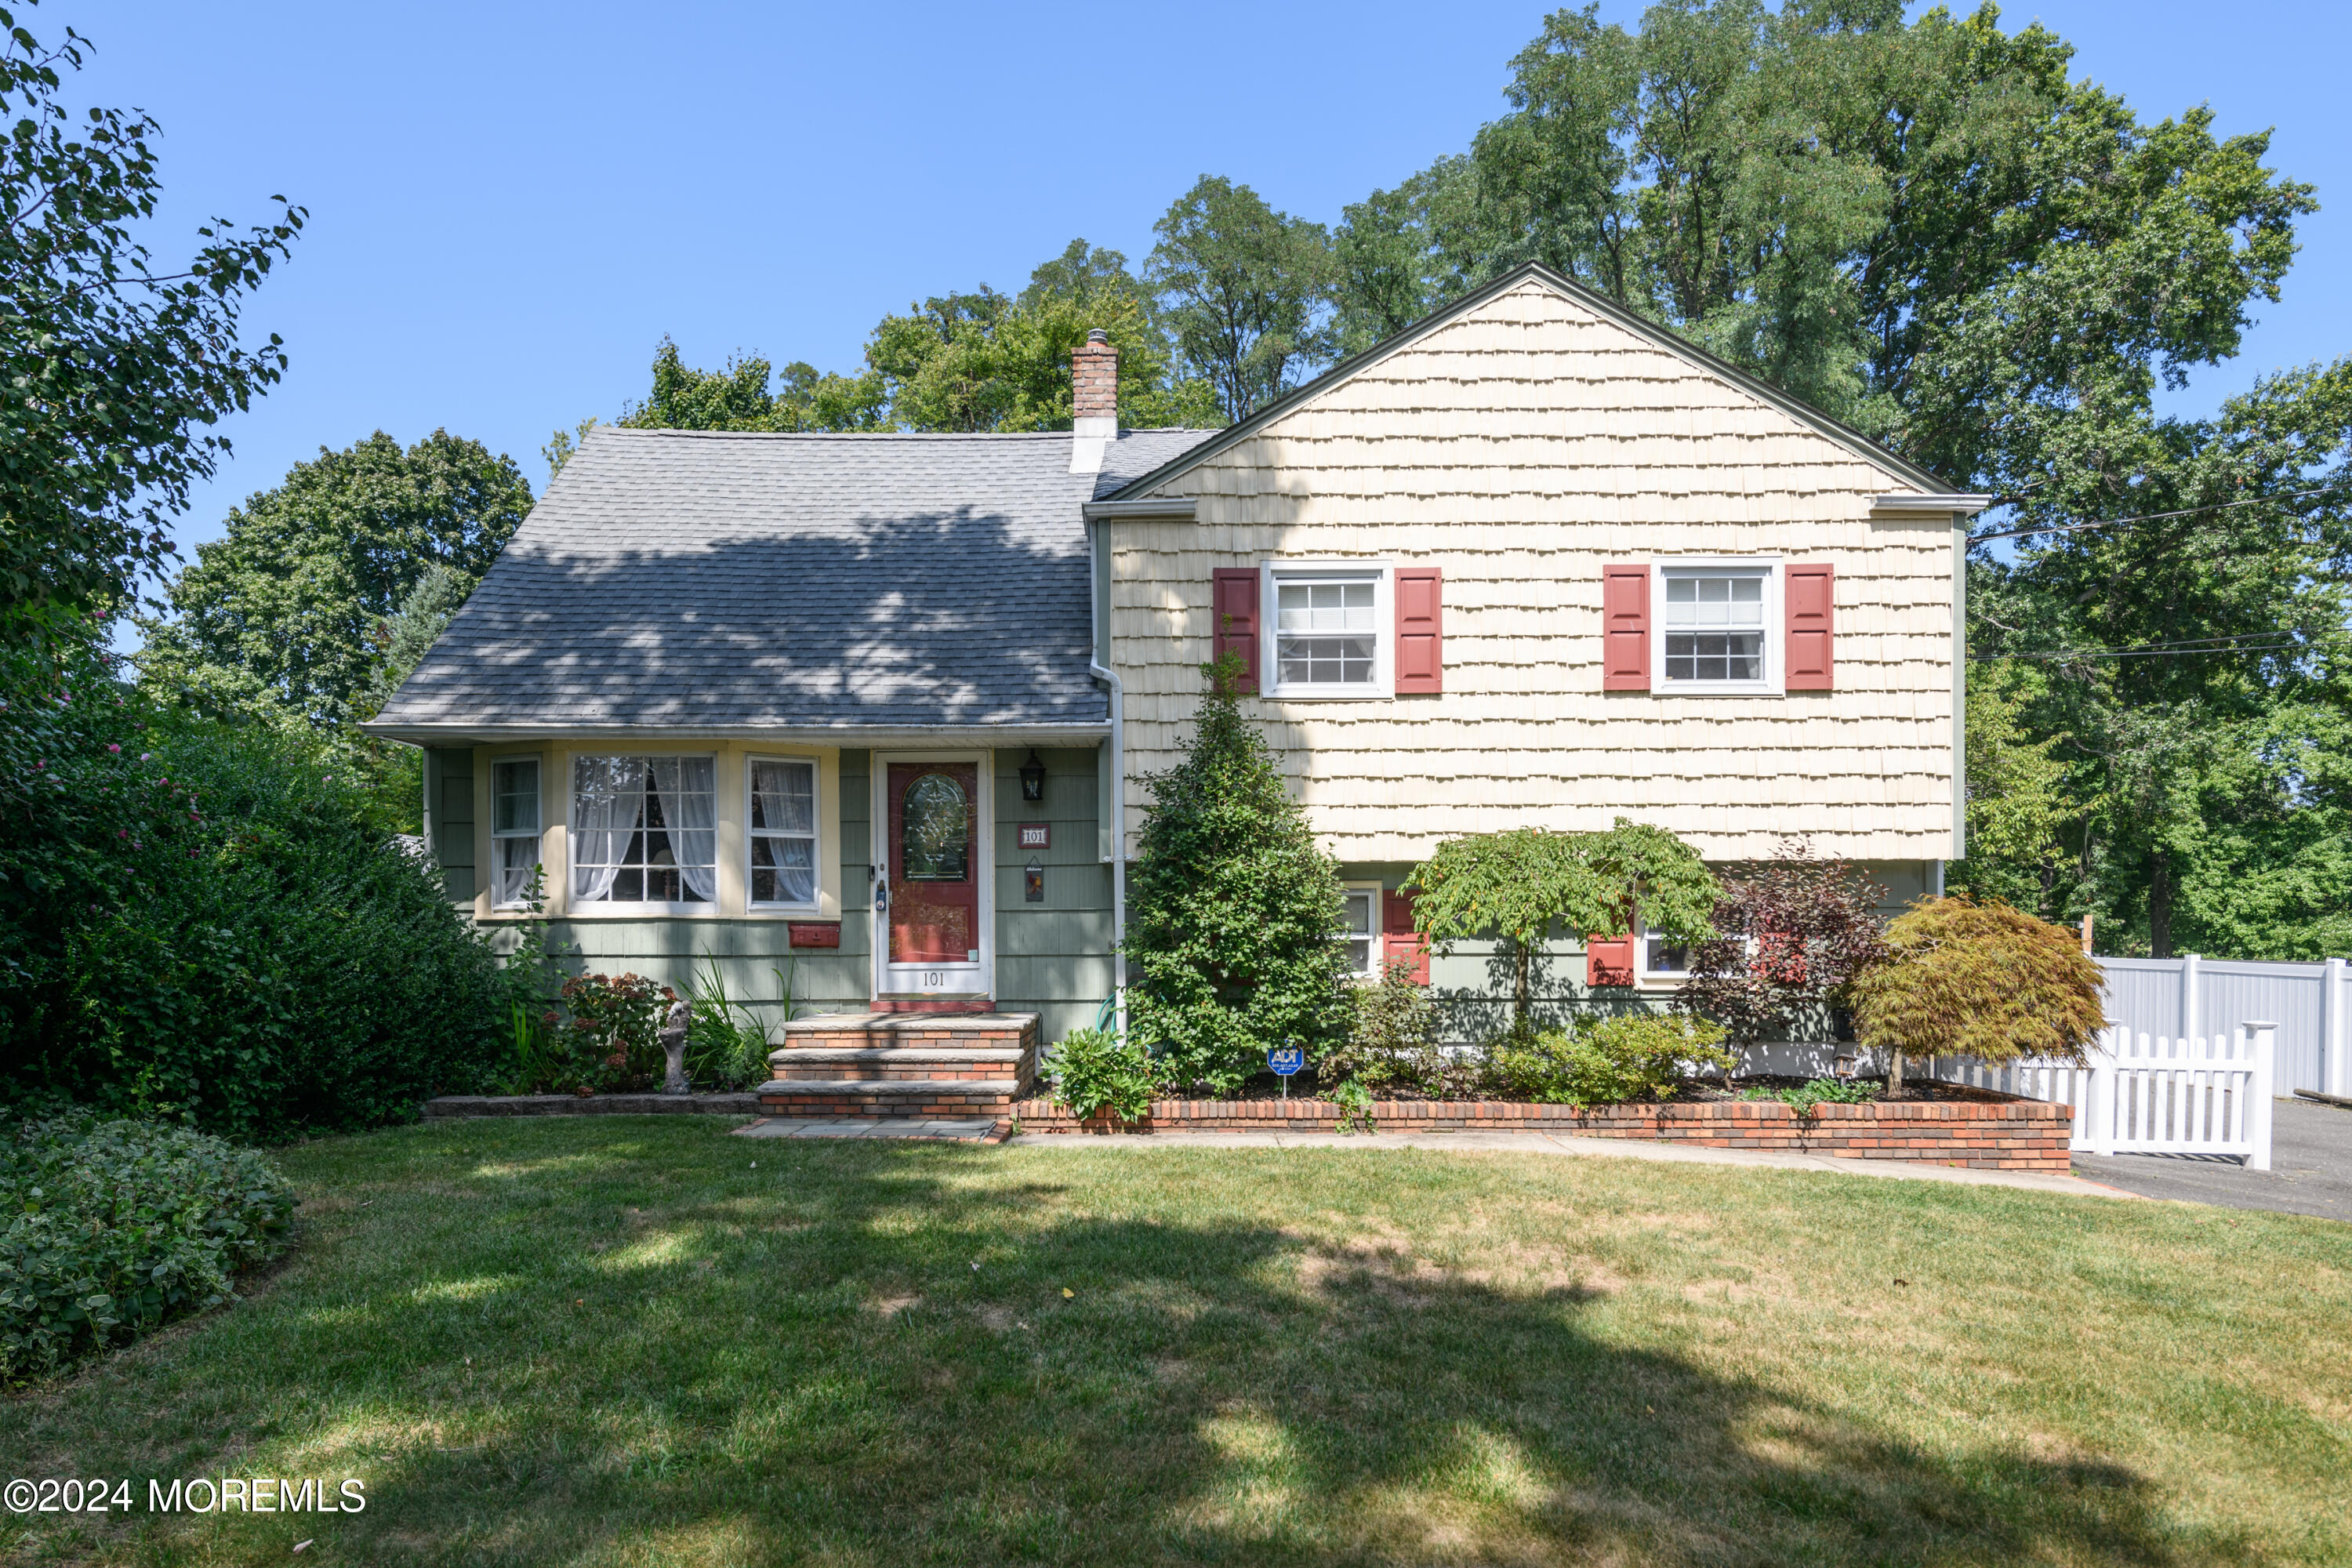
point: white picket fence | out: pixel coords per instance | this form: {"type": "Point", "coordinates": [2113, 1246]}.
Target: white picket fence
{"type": "Point", "coordinates": [2140, 1094]}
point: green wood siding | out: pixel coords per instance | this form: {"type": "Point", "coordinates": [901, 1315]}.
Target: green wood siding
{"type": "Point", "coordinates": [747, 952]}
{"type": "Point", "coordinates": [1052, 958]}
{"type": "Point", "coordinates": [449, 800]}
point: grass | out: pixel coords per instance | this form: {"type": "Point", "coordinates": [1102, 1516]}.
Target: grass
{"type": "Point", "coordinates": [617, 1341]}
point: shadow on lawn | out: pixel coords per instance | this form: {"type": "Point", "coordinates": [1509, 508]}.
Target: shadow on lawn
{"type": "Point", "coordinates": [1218, 1393]}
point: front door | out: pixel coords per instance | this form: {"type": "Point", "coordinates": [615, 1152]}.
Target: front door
{"type": "Point", "coordinates": [937, 854]}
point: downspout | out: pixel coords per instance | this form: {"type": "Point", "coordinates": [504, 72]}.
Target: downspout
{"type": "Point", "coordinates": [1109, 678]}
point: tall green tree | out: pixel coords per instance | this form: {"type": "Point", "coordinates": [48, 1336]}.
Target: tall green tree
{"type": "Point", "coordinates": [1246, 291]}
{"type": "Point", "coordinates": [2195, 688]}
{"type": "Point", "coordinates": [1234, 909]}
{"type": "Point", "coordinates": [112, 368]}
{"type": "Point", "coordinates": [976, 362]}
{"type": "Point", "coordinates": [288, 617]}
{"type": "Point", "coordinates": [747, 393]}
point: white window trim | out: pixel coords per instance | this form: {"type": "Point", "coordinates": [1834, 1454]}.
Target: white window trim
{"type": "Point", "coordinates": [1645, 976]}
{"type": "Point", "coordinates": [1774, 683]}
{"type": "Point", "coordinates": [539, 834]}
{"type": "Point", "coordinates": [1375, 957]}
{"type": "Point", "coordinates": [816, 835]}
{"type": "Point", "coordinates": [1272, 574]}
{"type": "Point", "coordinates": [575, 905]}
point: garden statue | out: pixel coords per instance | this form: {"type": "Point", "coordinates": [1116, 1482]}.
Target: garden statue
{"type": "Point", "coordinates": [673, 1044]}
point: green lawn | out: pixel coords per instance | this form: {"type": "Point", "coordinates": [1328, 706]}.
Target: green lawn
{"type": "Point", "coordinates": [617, 1341]}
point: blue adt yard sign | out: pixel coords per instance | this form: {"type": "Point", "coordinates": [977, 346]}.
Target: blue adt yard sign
{"type": "Point", "coordinates": [1283, 1061]}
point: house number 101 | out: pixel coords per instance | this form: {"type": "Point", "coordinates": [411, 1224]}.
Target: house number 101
{"type": "Point", "coordinates": [933, 979]}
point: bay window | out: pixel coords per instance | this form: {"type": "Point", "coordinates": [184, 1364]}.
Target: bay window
{"type": "Point", "coordinates": [514, 829]}
{"type": "Point", "coordinates": [643, 830]}
{"type": "Point", "coordinates": [781, 830]}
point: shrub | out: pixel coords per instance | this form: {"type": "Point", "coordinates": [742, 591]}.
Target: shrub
{"type": "Point", "coordinates": [1392, 1040]}
{"type": "Point", "coordinates": [1791, 935]}
{"type": "Point", "coordinates": [116, 1227]}
{"type": "Point", "coordinates": [1635, 1056]}
{"type": "Point", "coordinates": [1817, 1091]}
{"type": "Point", "coordinates": [1978, 980]}
{"type": "Point", "coordinates": [202, 921]}
{"type": "Point", "coordinates": [1234, 909]}
{"type": "Point", "coordinates": [726, 1047]}
{"type": "Point", "coordinates": [611, 1041]}
{"type": "Point", "coordinates": [1097, 1074]}
{"type": "Point", "coordinates": [1355, 1104]}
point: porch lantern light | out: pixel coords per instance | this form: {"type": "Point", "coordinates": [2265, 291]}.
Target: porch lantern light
{"type": "Point", "coordinates": [1033, 777]}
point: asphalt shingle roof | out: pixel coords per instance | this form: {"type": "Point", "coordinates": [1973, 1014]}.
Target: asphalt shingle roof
{"type": "Point", "coordinates": [700, 579]}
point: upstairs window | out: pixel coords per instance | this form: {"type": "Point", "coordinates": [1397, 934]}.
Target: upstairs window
{"type": "Point", "coordinates": [783, 832]}
{"type": "Point", "coordinates": [643, 830]}
{"type": "Point", "coordinates": [1326, 633]}
{"type": "Point", "coordinates": [514, 829]}
{"type": "Point", "coordinates": [1717, 626]}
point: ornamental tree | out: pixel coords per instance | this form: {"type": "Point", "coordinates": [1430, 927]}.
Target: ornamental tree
{"type": "Point", "coordinates": [1520, 885]}
{"type": "Point", "coordinates": [1233, 909]}
{"type": "Point", "coordinates": [1978, 980]}
{"type": "Point", "coordinates": [1790, 935]}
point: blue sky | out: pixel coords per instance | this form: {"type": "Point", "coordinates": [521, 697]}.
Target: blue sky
{"type": "Point", "coordinates": [510, 204]}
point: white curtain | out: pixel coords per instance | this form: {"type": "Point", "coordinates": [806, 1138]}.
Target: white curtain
{"type": "Point", "coordinates": [689, 793]}
{"type": "Point", "coordinates": [604, 802]}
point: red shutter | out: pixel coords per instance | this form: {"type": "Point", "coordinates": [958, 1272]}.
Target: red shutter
{"type": "Point", "coordinates": [1234, 609]}
{"type": "Point", "coordinates": [1811, 610]}
{"type": "Point", "coordinates": [1419, 631]}
{"type": "Point", "coordinates": [1609, 961]}
{"type": "Point", "coordinates": [1399, 939]}
{"type": "Point", "coordinates": [1624, 629]}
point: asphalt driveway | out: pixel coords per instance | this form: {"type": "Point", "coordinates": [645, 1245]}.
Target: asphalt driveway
{"type": "Point", "coordinates": [2311, 1168]}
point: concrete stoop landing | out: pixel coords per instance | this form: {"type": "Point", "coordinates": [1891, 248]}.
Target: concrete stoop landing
{"type": "Point", "coordinates": [931, 1067]}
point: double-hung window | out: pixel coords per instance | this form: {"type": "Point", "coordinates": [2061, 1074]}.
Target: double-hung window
{"type": "Point", "coordinates": [1362, 932]}
{"type": "Point", "coordinates": [1719, 627]}
{"type": "Point", "coordinates": [514, 829]}
{"type": "Point", "coordinates": [643, 830]}
{"type": "Point", "coordinates": [782, 830]}
{"type": "Point", "coordinates": [1663, 958]}
{"type": "Point", "coordinates": [1327, 633]}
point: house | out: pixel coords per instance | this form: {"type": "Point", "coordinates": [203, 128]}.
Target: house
{"type": "Point", "coordinates": [881, 704]}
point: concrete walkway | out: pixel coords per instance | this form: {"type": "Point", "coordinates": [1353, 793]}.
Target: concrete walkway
{"type": "Point", "coordinates": [1602, 1148]}
{"type": "Point", "coordinates": [956, 1130]}
{"type": "Point", "coordinates": [2311, 1168]}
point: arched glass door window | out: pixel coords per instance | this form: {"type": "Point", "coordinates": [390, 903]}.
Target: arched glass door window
{"type": "Point", "coordinates": [936, 831]}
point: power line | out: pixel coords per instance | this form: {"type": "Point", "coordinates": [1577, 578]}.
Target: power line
{"type": "Point", "coordinates": [2157, 516]}
{"type": "Point", "coordinates": [2155, 650]}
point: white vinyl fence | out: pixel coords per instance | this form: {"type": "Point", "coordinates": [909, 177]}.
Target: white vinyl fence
{"type": "Point", "coordinates": [2193, 997]}
{"type": "Point", "coordinates": [2143, 1094]}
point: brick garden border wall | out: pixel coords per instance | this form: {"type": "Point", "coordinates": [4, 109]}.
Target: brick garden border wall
{"type": "Point", "coordinates": [456, 1105]}
{"type": "Point", "coordinates": [2000, 1135]}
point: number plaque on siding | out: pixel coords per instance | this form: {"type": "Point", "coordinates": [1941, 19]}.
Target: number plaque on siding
{"type": "Point", "coordinates": [1036, 835]}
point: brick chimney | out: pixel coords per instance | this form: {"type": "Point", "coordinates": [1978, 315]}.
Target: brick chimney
{"type": "Point", "coordinates": [1094, 401]}
{"type": "Point", "coordinates": [1094, 386]}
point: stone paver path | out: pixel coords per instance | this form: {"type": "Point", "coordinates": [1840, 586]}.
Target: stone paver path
{"type": "Point", "coordinates": [960, 1130]}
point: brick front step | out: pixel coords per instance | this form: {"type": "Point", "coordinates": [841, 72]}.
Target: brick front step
{"type": "Point", "coordinates": [2005, 1135]}
{"type": "Point", "coordinates": [989, 1060]}
{"type": "Point", "coordinates": [871, 1064]}
{"type": "Point", "coordinates": [933, 1098]}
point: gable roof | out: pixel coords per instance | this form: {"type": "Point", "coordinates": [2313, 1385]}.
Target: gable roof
{"type": "Point", "coordinates": [718, 583]}
{"type": "Point", "coordinates": [1852, 440]}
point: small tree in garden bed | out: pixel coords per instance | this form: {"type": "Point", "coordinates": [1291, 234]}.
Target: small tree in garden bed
{"type": "Point", "coordinates": [1978, 980]}
{"type": "Point", "coordinates": [1234, 909]}
{"type": "Point", "coordinates": [1521, 885]}
{"type": "Point", "coordinates": [1791, 935]}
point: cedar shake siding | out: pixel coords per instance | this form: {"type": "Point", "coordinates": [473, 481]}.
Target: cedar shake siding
{"type": "Point", "coordinates": [1524, 448]}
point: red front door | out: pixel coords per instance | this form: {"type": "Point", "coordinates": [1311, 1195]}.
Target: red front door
{"type": "Point", "coordinates": [934, 862]}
